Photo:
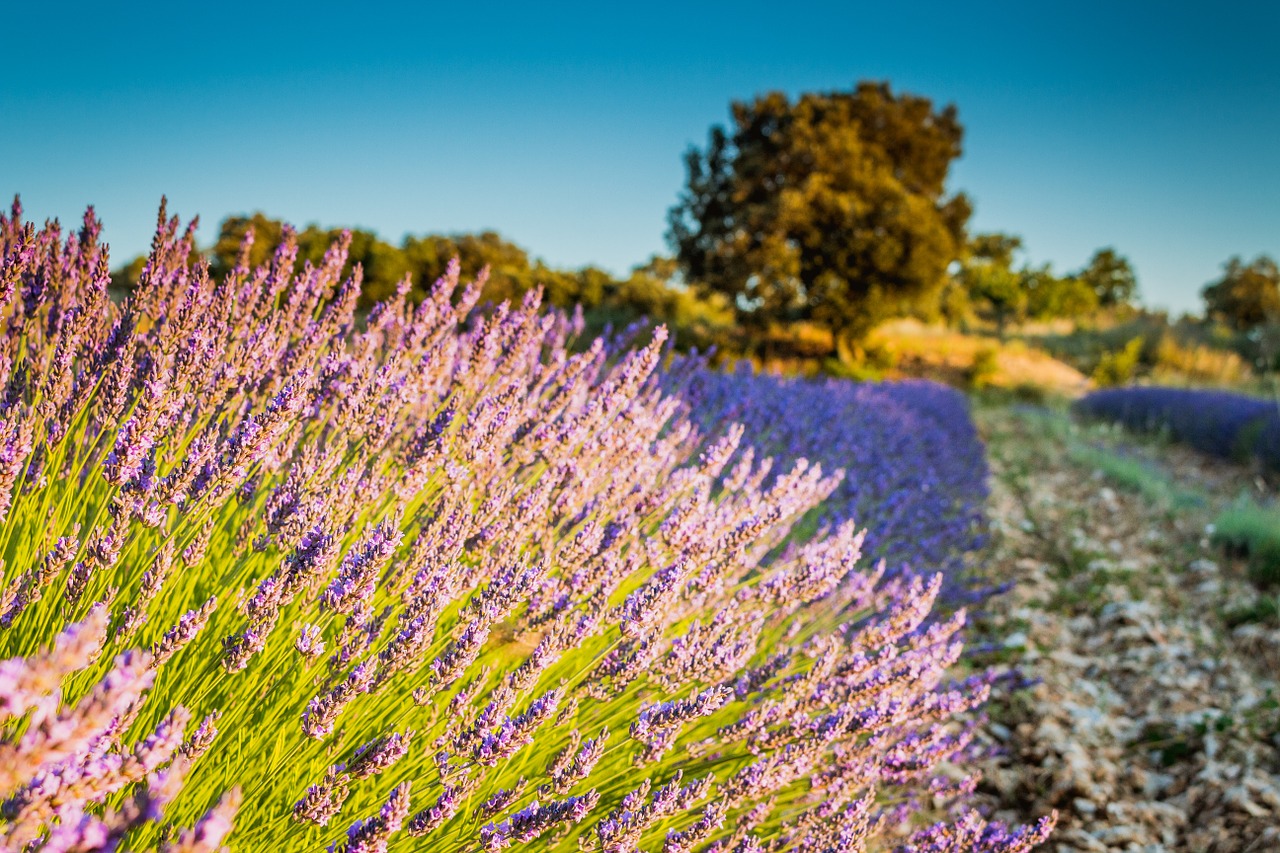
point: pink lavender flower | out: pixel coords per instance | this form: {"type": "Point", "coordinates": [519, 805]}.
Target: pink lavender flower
{"type": "Point", "coordinates": [177, 637]}
{"type": "Point", "coordinates": [377, 755]}
{"type": "Point", "coordinates": [358, 575]}
{"type": "Point", "coordinates": [27, 682]}
{"type": "Point", "coordinates": [210, 831]}
{"type": "Point", "coordinates": [323, 710]}
{"type": "Point", "coordinates": [202, 738]}
{"type": "Point", "coordinates": [515, 732]}
{"type": "Point", "coordinates": [310, 642]}
{"type": "Point", "coordinates": [324, 799]}
{"type": "Point", "coordinates": [587, 541]}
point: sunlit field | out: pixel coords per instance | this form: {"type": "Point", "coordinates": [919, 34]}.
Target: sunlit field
{"type": "Point", "coordinates": [639, 428]}
{"type": "Point", "coordinates": [451, 576]}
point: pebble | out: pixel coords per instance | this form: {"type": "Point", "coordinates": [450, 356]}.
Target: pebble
{"type": "Point", "coordinates": [1084, 807]}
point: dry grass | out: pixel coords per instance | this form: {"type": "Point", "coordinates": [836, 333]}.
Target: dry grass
{"type": "Point", "coordinates": [939, 353]}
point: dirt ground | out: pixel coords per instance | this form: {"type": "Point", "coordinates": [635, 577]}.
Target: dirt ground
{"type": "Point", "coordinates": [1154, 725]}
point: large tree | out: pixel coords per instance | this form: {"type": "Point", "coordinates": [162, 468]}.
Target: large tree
{"type": "Point", "coordinates": [831, 208]}
{"type": "Point", "coordinates": [1247, 296]}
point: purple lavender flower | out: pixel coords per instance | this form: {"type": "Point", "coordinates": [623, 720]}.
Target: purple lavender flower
{"type": "Point", "coordinates": [377, 755]}
{"type": "Point", "coordinates": [535, 820]}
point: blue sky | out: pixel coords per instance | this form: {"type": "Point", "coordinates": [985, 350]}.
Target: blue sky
{"type": "Point", "coordinates": [1153, 128]}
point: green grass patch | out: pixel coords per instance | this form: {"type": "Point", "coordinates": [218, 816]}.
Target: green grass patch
{"type": "Point", "coordinates": [1171, 745]}
{"type": "Point", "coordinates": [1086, 447]}
{"type": "Point", "coordinates": [1252, 531]}
{"type": "Point", "coordinates": [1265, 610]}
{"type": "Point", "coordinates": [1134, 475]}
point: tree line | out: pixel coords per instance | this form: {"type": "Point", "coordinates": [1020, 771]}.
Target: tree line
{"type": "Point", "coordinates": [649, 290]}
{"type": "Point", "coordinates": [827, 211]}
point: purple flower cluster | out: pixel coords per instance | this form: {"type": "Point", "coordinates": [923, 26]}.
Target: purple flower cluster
{"type": "Point", "coordinates": [410, 569]}
{"type": "Point", "coordinates": [1223, 424]}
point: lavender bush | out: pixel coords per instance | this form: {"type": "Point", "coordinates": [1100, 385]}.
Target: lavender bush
{"type": "Point", "coordinates": [276, 575]}
{"type": "Point", "coordinates": [1230, 426]}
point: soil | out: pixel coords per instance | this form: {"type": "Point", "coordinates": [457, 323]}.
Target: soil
{"type": "Point", "coordinates": [1153, 724]}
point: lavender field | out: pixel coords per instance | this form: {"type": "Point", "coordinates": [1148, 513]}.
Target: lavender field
{"type": "Point", "coordinates": [449, 576]}
{"type": "Point", "coordinates": [639, 428]}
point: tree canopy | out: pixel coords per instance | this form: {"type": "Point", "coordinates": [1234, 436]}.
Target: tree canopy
{"type": "Point", "coordinates": [1247, 296]}
{"type": "Point", "coordinates": [831, 208]}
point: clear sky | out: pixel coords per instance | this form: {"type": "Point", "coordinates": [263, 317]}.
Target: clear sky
{"type": "Point", "coordinates": [1150, 127]}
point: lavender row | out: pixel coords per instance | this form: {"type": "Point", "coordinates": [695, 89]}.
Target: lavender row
{"type": "Point", "coordinates": [1230, 426]}
{"type": "Point", "coordinates": [437, 577]}
{"type": "Point", "coordinates": [915, 468]}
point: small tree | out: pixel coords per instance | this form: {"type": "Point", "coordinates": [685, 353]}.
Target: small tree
{"type": "Point", "coordinates": [1000, 289]}
{"type": "Point", "coordinates": [1247, 296]}
{"type": "Point", "coordinates": [988, 277]}
{"type": "Point", "coordinates": [1111, 277]}
{"type": "Point", "coordinates": [1052, 298]}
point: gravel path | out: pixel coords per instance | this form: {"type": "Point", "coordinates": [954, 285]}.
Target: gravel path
{"type": "Point", "coordinates": [1154, 726]}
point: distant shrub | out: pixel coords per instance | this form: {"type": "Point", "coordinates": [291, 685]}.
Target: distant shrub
{"type": "Point", "coordinates": [856, 371]}
{"type": "Point", "coordinates": [1118, 367]}
{"type": "Point", "coordinates": [869, 362]}
{"type": "Point", "coordinates": [1176, 353]}
{"type": "Point", "coordinates": [1198, 362]}
{"type": "Point", "coordinates": [981, 373]}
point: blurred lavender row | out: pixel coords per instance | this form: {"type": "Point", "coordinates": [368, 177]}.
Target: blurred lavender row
{"type": "Point", "coordinates": [1223, 424]}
